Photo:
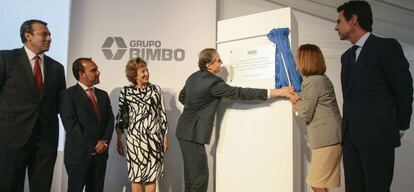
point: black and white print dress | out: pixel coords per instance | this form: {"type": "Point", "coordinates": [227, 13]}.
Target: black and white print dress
{"type": "Point", "coordinates": [142, 114]}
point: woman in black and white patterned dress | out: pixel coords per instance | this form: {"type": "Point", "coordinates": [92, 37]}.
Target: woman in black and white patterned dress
{"type": "Point", "coordinates": [142, 115]}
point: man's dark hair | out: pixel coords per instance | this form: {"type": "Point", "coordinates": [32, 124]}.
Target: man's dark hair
{"type": "Point", "coordinates": [27, 28]}
{"type": "Point", "coordinates": [361, 9]}
{"type": "Point", "coordinates": [78, 67]}
{"type": "Point", "coordinates": [205, 57]}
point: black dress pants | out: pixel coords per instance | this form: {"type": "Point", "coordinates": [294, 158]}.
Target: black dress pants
{"type": "Point", "coordinates": [90, 176]}
{"type": "Point", "coordinates": [195, 166]}
{"type": "Point", "coordinates": [36, 156]}
{"type": "Point", "coordinates": [367, 170]}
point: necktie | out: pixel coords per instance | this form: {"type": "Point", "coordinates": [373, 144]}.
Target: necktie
{"type": "Point", "coordinates": [351, 62]}
{"type": "Point", "coordinates": [353, 53]}
{"type": "Point", "coordinates": [38, 74]}
{"type": "Point", "coordinates": [93, 101]}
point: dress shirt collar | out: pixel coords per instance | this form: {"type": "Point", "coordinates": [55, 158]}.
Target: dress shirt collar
{"type": "Point", "coordinates": [84, 87]}
{"type": "Point", "coordinates": [31, 55]}
{"type": "Point", "coordinates": [360, 43]}
{"type": "Point", "coordinates": [362, 40]}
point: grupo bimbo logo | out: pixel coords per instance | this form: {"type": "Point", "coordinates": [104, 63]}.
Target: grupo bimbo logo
{"type": "Point", "coordinates": [120, 50]}
{"type": "Point", "coordinates": [114, 48]}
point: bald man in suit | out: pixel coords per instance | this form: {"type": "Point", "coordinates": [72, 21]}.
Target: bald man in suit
{"type": "Point", "coordinates": [89, 123]}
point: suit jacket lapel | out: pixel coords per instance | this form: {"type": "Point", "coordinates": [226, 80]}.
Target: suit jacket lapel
{"type": "Point", "coordinates": [85, 100]}
{"type": "Point", "coordinates": [345, 82]}
{"type": "Point", "coordinates": [46, 74]}
{"type": "Point", "coordinates": [361, 62]}
{"type": "Point", "coordinates": [99, 101]}
{"type": "Point", "coordinates": [27, 70]}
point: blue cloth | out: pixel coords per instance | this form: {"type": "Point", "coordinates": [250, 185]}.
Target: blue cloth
{"type": "Point", "coordinates": [284, 58]}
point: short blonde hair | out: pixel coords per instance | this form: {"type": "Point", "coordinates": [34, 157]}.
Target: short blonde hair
{"type": "Point", "coordinates": [131, 69]}
{"type": "Point", "coordinates": [310, 61]}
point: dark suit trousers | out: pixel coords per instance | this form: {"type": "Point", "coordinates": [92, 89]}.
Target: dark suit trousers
{"type": "Point", "coordinates": [367, 170]}
{"type": "Point", "coordinates": [195, 166]}
{"type": "Point", "coordinates": [90, 176]}
{"type": "Point", "coordinates": [39, 159]}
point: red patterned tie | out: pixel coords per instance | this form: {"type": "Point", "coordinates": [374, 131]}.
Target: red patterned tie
{"type": "Point", "coordinates": [93, 101]}
{"type": "Point", "coordinates": [38, 74]}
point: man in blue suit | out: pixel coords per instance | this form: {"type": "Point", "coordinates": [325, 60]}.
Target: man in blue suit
{"type": "Point", "coordinates": [378, 94]}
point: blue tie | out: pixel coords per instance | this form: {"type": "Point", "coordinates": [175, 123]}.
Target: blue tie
{"type": "Point", "coordinates": [353, 52]}
{"type": "Point", "coordinates": [350, 63]}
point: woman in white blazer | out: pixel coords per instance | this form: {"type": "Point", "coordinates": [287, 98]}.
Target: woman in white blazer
{"type": "Point", "coordinates": [316, 104]}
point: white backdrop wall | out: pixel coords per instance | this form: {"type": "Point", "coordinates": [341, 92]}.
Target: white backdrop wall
{"type": "Point", "coordinates": [246, 150]}
{"type": "Point", "coordinates": [171, 32]}
{"type": "Point", "coordinates": [312, 29]}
